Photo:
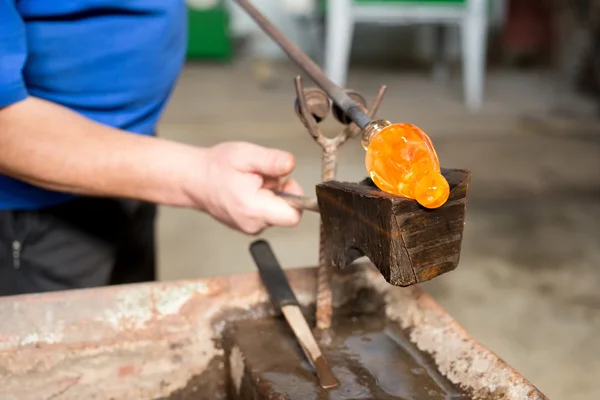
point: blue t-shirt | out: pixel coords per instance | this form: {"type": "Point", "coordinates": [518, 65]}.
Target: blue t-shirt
{"type": "Point", "coordinates": [114, 61]}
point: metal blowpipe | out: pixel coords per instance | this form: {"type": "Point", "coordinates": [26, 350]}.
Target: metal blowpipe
{"type": "Point", "coordinates": [335, 93]}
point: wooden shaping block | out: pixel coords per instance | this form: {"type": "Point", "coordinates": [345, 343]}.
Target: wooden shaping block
{"type": "Point", "coordinates": [408, 243]}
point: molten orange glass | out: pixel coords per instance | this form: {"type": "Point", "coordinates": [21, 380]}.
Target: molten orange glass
{"type": "Point", "coordinates": [401, 160]}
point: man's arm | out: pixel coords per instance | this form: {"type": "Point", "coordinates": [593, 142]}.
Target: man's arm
{"type": "Point", "coordinates": [53, 147]}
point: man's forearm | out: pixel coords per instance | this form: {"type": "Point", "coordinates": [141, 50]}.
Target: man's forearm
{"type": "Point", "coordinates": [53, 147]}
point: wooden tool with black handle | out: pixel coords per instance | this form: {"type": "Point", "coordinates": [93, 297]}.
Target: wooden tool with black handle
{"type": "Point", "coordinates": [283, 297]}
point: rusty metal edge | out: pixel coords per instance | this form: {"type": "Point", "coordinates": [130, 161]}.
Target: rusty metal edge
{"type": "Point", "coordinates": [35, 329]}
{"type": "Point", "coordinates": [458, 356]}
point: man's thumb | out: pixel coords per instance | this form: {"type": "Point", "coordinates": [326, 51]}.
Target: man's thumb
{"type": "Point", "coordinates": [268, 162]}
{"type": "Point", "coordinates": [276, 211]}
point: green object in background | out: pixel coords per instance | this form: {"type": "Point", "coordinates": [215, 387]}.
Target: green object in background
{"type": "Point", "coordinates": [209, 37]}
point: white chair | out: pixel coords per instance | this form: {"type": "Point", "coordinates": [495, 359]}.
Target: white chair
{"type": "Point", "coordinates": [470, 15]}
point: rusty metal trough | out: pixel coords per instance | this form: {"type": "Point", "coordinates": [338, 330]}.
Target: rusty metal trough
{"type": "Point", "coordinates": [164, 340]}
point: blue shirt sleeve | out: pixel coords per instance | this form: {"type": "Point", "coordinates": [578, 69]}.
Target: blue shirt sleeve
{"type": "Point", "coordinates": [13, 53]}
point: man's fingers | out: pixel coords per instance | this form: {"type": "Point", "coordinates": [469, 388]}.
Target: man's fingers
{"type": "Point", "coordinates": [264, 161]}
{"type": "Point", "coordinates": [275, 210]}
{"type": "Point", "coordinates": [291, 186]}
{"type": "Point", "coordinates": [288, 185]}
{"type": "Point", "coordinates": [274, 183]}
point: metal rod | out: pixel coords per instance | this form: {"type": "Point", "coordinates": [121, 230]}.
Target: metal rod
{"type": "Point", "coordinates": [324, 310]}
{"type": "Point", "coordinates": [336, 93]}
{"type": "Point", "coordinates": [299, 202]}
{"type": "Point", "coordinates": [330, 146]}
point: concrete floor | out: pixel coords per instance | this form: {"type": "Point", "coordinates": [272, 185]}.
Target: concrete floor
{"type": "Point", "coordinates": [528, 282]}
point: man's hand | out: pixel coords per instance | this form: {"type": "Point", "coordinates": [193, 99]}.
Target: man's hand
{"type": "Point", "coordinates": [239, 180]}
{"type": "Point", "coordinates": [55, 148]}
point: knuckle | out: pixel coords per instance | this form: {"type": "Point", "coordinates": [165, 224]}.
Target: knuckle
{"type": "Point", "coordinates": [296, 219]}
{"type": "Point", "coordinates": [250, 219]}
{"type": "Point", "coordinates": [234, 151]}
{"type": "Point", "coordinates": [249, 210]}
{"type": "Point", "coordinates": [245, 147]}
{"type": "Point", "coordinates": [272, 157]}
{"type": "Point", "coordinates": [293, 221]}
{"type": "Point", "coordinates": [236, 148]}
{"type": "Point", "coordinates": [252, 228]}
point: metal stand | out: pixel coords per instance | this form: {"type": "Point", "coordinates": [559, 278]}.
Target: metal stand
{"type": "Point", "coordinates": [312, 107]}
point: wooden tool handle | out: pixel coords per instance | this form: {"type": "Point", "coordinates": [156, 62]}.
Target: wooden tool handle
{"type": "Point", "coordinates": [281, 293]}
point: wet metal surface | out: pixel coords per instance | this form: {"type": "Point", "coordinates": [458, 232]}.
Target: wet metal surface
{"type": "Point", "coordinates": [373, 359]}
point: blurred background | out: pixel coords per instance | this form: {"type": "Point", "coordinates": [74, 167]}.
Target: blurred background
{"type": "Point", "coordinates": [508, 89]}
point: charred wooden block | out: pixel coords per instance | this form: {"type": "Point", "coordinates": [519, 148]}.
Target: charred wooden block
{"type": "Point", "coordinates": [405, 241]}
